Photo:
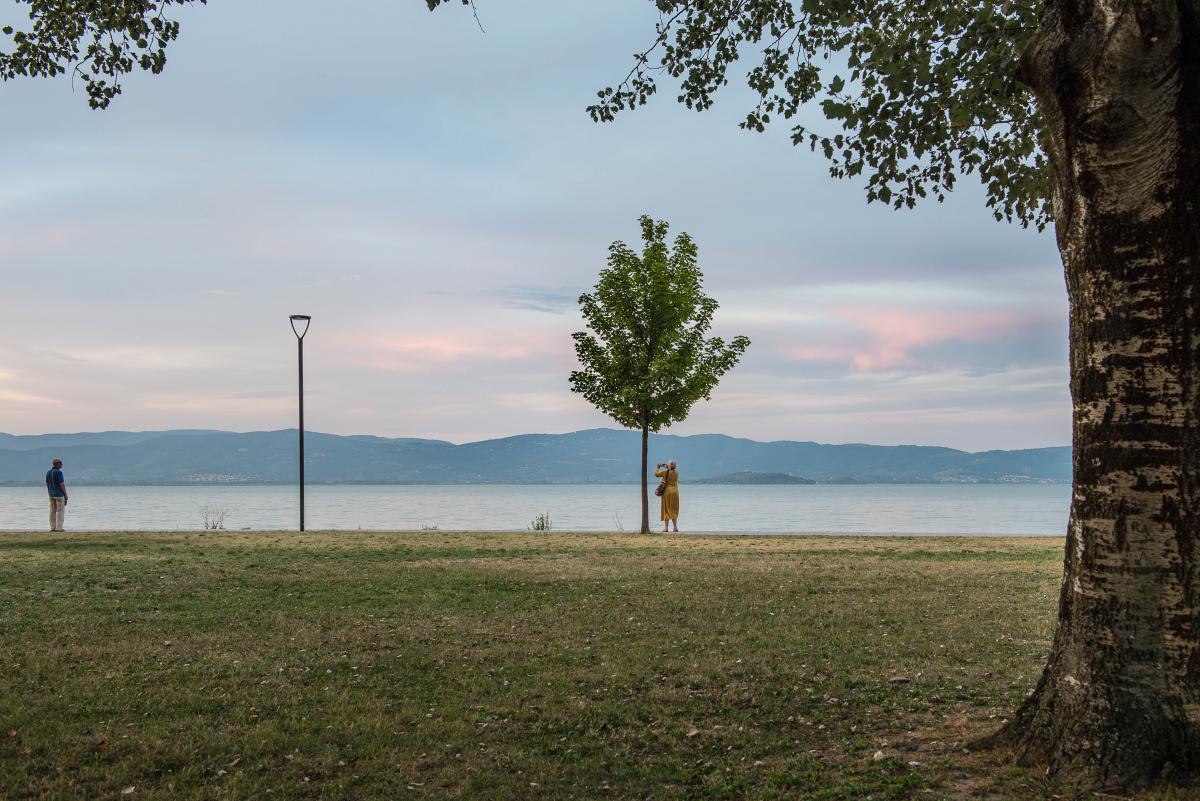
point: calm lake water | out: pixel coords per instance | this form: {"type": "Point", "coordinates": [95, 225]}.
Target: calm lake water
{"type": "Point", "coordinates": [875, 509]}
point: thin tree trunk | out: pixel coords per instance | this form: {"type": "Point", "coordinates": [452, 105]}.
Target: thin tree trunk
{"type": "Point", "coordinates": [645, 493]}
{"type": "Point", "coordinates": [1118, 704]}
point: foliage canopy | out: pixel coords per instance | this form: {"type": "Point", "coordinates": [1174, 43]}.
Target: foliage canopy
{"type": "Point", "coordinates": [646, 358]}
{"type": "Point", "coordinates": [921, 90]}
{"type": "Point", "coordinates": [98, 40]}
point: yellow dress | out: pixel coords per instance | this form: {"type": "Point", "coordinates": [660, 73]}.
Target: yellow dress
{"type": "Point", "coordinates": [670, 498]}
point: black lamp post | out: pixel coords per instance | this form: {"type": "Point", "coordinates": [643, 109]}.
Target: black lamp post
{"type": "Point", "coordinates": [305, 319]}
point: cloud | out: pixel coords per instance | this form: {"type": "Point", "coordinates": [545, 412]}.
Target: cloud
{"type": "Point", "coordinates": [442, 346]}
{"type": "Point", "coordinates": [536, 299]}
{"type": "Point", "coordinates": [886, 339]}
{"type": "Point", "coordinates": [1012, 408]}
{"type": "Point", "coordinates": [17, 396]}
{"type": "Point", "coordinates": [259, 394]}
{"type": "Point", "coordinates": [191, 405]}
{"type": "Point", "coordinates": [151, 357]}
{"type": "Point", "coordinates": [843, 328]}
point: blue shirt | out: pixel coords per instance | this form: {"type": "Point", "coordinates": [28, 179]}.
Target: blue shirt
{"type": "Point", "coordinates": [54, 478]}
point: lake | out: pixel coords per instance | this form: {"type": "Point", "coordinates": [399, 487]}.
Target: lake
{"type": "Point", "coordinates": [1036, 509]}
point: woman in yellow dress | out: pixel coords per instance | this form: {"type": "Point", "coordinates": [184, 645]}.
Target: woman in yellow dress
{"type": "Point", "coordinates": [670, 498]}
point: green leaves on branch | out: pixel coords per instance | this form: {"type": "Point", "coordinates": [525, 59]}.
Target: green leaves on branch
{"type": "Point", "coordinates": [918, 91]}
{"type": "Point", "coordinates": [98, 40]}
{"type": "Point", "coordinates": [646, 358]}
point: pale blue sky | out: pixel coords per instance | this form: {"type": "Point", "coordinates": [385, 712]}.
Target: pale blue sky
{"type": "Point", "coordinates": [436, 198]}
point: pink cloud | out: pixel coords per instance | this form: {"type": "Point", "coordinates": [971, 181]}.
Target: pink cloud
{"type": "Point", "coordinates": [425, 350]}
{"type": "Point", "coordinates": [884, 339]}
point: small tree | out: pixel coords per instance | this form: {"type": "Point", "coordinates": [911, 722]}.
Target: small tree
{"type": "Point", "coordinates": [646, 358]}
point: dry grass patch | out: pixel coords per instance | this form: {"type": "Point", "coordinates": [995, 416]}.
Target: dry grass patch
{"type": "Point", "coordinates": [539, 665]}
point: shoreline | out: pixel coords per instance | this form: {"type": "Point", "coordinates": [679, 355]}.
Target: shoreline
{"type": "Point", "coordinates": [555, 532]}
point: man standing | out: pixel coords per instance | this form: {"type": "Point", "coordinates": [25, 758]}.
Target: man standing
{"type": "Point", "coordinates": [57, 487]}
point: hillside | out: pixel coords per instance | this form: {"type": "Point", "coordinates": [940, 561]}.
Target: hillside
{"type": "Point", "coordinates": [753, 477]}
{"type": "Point", "coordinates": [596, 456]}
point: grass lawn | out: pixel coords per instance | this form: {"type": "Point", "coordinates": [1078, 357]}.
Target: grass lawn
{"type": "Point", "coordinates": [505, 666]}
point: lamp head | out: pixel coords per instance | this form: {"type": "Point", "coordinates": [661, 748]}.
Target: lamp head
{"type": "Point", "coordinates": [300, 318]}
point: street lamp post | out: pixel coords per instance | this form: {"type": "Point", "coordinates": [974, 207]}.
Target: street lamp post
{"type": "Point", "coordinates": [305, 319]}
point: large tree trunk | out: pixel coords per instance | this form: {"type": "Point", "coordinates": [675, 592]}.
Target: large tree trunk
{"type": "Point", "coordinates": [645, 494]}
{"type": "Point", "coordinates": [1119, 702]}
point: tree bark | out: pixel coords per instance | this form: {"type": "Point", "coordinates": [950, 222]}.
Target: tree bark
{"type": "Point", "coordinates": [1118, 705]}
{"type": "Point", "coordinates": [645, 494]}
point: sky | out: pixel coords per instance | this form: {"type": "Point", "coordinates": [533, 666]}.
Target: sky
{"type": "Point", "coordinates": [436, 197]}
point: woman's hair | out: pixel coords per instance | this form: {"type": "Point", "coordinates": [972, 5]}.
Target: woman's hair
{"type": "Point", "coordinates": [671, 464]}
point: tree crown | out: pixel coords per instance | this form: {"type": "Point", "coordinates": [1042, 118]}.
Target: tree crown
{"type": "Point", "coordinates": [646, 359]}
{"type": "Point", "coordinates": [921, 90]}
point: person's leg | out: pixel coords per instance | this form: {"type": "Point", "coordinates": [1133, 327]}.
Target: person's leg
{"type": "Point", "coordinates": [53, 515]}
{"type": "Point", "coordinates": [62, 512]}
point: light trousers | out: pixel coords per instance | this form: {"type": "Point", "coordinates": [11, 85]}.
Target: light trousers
{"type": "Point", "coordinates": [58, 510]}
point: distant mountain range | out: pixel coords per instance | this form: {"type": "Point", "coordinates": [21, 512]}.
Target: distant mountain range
{"type": "Point", "coordinates": [596, 456]}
